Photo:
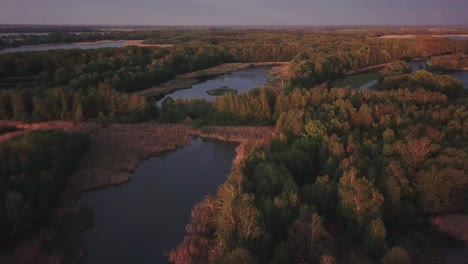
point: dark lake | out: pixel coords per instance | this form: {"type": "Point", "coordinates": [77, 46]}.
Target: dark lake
{"type": "Point", "coordinates": [242, 80]}
{"type": "Point", "coordinates": [113, 44]}
{"type": "Point", "coordinates": [139, 221]}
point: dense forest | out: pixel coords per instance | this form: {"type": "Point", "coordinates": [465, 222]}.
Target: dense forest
{"type": "Point", "coordinates": [87, 84]}
{"type": "Point", "coordinates": [351, 176]}
{"type": "Point", "coordinates": [348, 167]}
{"type": "Point", "coordinates": [33, 173]}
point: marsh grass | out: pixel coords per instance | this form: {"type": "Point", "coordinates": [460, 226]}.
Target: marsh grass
{"type": "Point", "coordinates": [117, 150]}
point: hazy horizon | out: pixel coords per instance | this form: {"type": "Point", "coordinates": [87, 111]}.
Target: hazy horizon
{"type": "Point", "coordinates": [235, 13]}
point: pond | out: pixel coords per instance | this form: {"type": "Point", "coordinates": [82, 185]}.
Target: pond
{"type": "Point", "coordinates": [418, 65]}
{"type": "Point", "coordinates": [89, 45]}
{"type": "Point", "coordinates": [242, 80]}
{"type": "Point", "coordinates": [139, 221]}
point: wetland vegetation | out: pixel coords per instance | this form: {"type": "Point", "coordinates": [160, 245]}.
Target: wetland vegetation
{"type": "Point", "coordinates": [323, 173]}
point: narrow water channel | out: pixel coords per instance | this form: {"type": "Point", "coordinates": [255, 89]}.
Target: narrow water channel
{"type": "Point", "coordinates": [139, 221]}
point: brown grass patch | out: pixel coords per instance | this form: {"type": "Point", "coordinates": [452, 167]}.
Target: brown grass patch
{"type": "Point", "coordinates": [117, 150]}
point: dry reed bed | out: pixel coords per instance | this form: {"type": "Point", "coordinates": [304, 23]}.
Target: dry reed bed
{"type": "Point", "coordinates": [248, 137]}
{"type": "Point", "coordinates": [117, 150]}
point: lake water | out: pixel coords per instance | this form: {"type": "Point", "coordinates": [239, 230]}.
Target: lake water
{"type": "Point", "coordinates": [242, 80]}
{"type": "Point", "coordinates": [139, 221]}
{"type": "Point", "coordinates": [455, 37]}
{"type": "Point", "coordinates": [418, 65]}
{"type": "Point", "coordinates": [460, 75]}
{"type": "Point", "coordinates": [113, 44]}
{"type": "Point", "coordinates": [369, 84]}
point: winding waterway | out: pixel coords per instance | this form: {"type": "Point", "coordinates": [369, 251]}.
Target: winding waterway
{"type": "Point", "coordinates": [139, 221]}
{"type": "Point", "coordinates": [242, 80]}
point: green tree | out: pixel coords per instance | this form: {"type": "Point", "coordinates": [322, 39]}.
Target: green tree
{"type": "Point", "coordinates": [315, 130]}
{"type": "Point", "coordinates": [360, 201]}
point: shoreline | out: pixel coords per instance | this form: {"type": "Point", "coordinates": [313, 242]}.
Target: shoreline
{"type": "Point", "coordinates": [118, 150]}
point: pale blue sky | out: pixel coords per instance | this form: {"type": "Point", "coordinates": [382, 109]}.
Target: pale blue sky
{"type": "Point", "coordinates": [234, 12]}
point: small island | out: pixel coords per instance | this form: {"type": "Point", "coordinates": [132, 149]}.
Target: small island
{"type": "Point", "coordinates": [221, 91]}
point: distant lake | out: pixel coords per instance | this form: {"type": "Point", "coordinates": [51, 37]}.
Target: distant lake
{"type": "Point", "coordinates": [454, 37]}
{"type": "Point", "coordinates": [96, 45]}
{"type": "Point", "coordinates": [139, 221]}
{"type": "Point", "coordinates": [242, 80]}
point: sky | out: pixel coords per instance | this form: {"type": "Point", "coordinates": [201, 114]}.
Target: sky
{"type": "Point", "coordinates": [235, 12]}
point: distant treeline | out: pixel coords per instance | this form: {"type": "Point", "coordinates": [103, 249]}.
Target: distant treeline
{"type": "Point", "coordinates": [31, 80]}
{"type": "Point", "coordinates": [153, 36]}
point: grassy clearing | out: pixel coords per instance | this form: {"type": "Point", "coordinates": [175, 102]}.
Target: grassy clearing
{"type": "Point", "coordinates": [356, 81]}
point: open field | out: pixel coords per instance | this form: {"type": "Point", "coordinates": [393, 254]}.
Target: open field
{"type": "Point", "coordinates": [185, 81]}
